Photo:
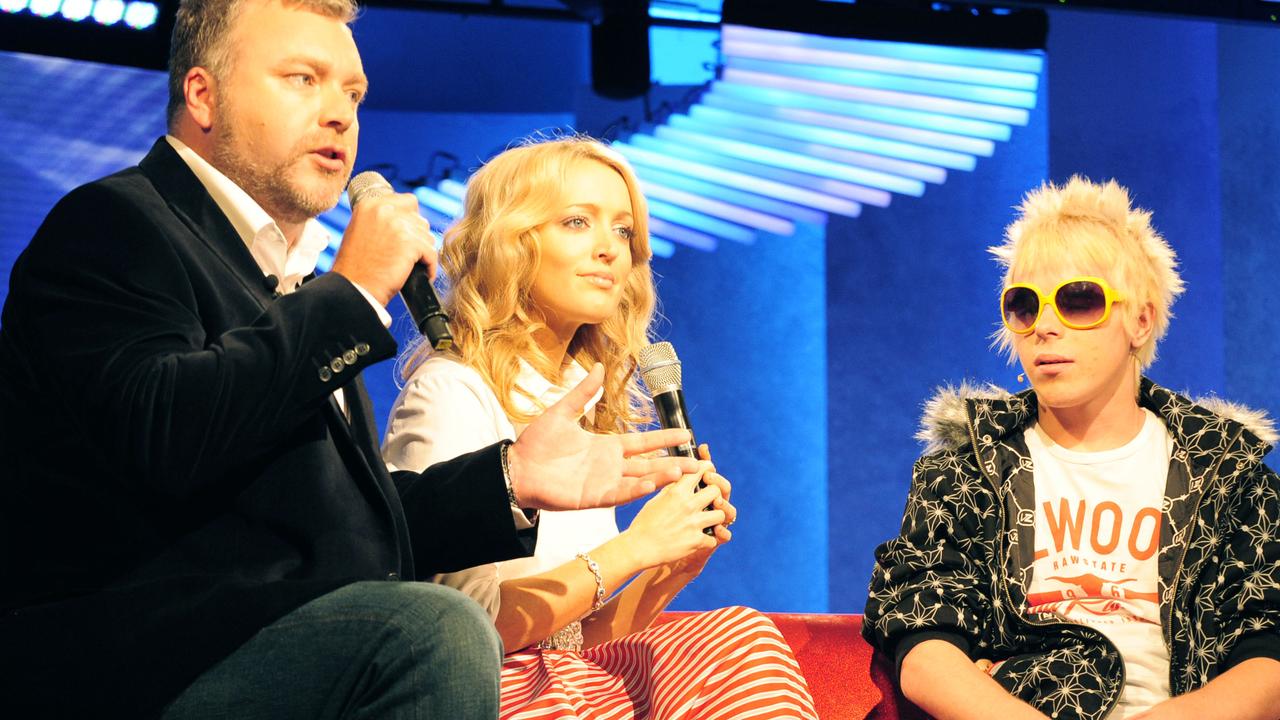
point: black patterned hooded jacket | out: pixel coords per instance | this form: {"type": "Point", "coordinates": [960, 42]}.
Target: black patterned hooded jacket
{"type": "Point", "coordinates": [959, 569]}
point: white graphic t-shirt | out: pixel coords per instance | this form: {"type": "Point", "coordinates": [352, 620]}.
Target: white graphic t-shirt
{"type": "Point", "coordinates": [1097, 542]}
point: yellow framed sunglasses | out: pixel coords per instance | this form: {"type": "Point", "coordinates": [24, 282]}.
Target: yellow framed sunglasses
{"type": "Point", "coordinates": [1080, 302]}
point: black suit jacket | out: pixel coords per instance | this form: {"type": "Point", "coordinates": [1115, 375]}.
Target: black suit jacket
{"type": "Point", "coordinates": [174, 474]}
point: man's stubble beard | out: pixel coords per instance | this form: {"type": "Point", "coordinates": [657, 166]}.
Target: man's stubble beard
{"type": "Point", "coordinates": [283, 197]}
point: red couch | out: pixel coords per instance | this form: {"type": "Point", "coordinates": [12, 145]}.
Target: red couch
{"type": "Point", "coordinates": [848, 680]}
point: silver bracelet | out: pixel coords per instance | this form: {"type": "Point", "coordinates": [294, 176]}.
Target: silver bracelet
{"type": "Point", "coordinates": [530, 515]}
{"type": "Point", "coordinates": [595, 572]}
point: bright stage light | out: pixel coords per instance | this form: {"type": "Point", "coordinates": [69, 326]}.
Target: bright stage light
{"type": "Point", "coordinates": [811, 96]}
{"type": "Point", "coordinates": [744, 181]}
{"type": "Point", "coordinates": [76, 10]}
{"type": "Point", "coordinates": [865, 186]}
{"type": "Point", "coordinates": [683, 235]}
{"type": "Point", "coordinates": [656, 177]}
{"type": "Point", "coordinates": [980, 58]}
{"type": "Point", "coordinates": [669, 13]}
{"type": "Point", "coordinates": [795, 108]}
{"type": "Point", "coordinates": [13, 6]}
{"type": "Point", "coordinates": [892, 102]}
{"type": "Point", "coordinates": [874, 80]}
{"type": "Point", "coordinates": [898, 68]}
{"type": "Point", "coordinates": [799, 128]}
{"type": "Point", "coordinates": [661, 248]}
{"type": "Point", "coordinates": [836, 138]}
{"type": "Point", "coordinates": [855, 158]}
{"type": "Point", "coordinates": [141, 15]}
{"type": "Point", "coordinates": [108, 12]}
{"type": "Point", "coordinates": [718, 208]}
{"type": "Point", "coordinates": [45, 8]}
{"type": "Point", "coordinates": [687, 218]}
{"type": "Point", "coordinates": [453, 188]}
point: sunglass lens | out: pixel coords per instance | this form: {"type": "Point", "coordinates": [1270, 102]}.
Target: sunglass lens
{"type": "Point", "coordinates": [1021, 306]}
{"type": "Point", "coordinates": [1081, 303]}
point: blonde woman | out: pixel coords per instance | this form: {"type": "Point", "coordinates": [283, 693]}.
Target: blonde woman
{"type": "Point", "coordinates": [550, 281]}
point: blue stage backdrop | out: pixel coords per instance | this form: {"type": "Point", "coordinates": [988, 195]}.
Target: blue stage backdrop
{"type": "Point", "coordinates": [911, 294]}
{"type": "Point", "coordinates": [806, 358]}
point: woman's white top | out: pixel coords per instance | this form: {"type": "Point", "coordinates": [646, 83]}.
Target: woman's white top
{"type": "Point", "coordinates": [445, 410]}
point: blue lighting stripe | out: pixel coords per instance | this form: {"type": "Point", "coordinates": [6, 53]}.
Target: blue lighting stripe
{"type": "Point", "coordinates": [669, 13]}
{"type": "Point", "coordinates": [699, 221]}
{"type": "Point", "coordinates": [888, 99]}
{"type": "Point", "coordinates": [657, 177]}
{"type": "Point", "coordinates": [452, 188]}
{"type": "Point", "coordinates": [438, 201]}
{"type": "Point", "coordinates": [963, 147]}
{"type": "Point", "coordinates": [903, 168]}
{"type": "Point", "coordinates": [682, 235]}
{"type": "Point", "coordinates": [896, 83]}
{"type": "Point", "coordinates": [826, 186]}
{"type": "Point", "coordinates": [716, 208]}
{"type": "Point", "coordinates": [766, 156]}
{"type": "Point", "coordinates": [661, 248]}
{"type": "Point", "coordinates": [1010, 60]}
{"type": "Point", "coordinates": [835, 138]}
{"type": "Point", "coordinates": [868, 111]}
{"type": "Point", "coordinates": [733, 47]}
{"type": "Point", "coordinates": [740, 180]}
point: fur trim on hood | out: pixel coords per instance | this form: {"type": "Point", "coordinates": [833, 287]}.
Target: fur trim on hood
{"type": "Point", "coordinates": [944, 424]}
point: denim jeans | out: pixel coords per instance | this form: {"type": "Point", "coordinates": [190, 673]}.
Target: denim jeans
{"type": "Point", "coordinates": [395, 650]}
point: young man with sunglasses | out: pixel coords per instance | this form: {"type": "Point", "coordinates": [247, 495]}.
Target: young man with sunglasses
{"type": "Point", "coordinates": [1096, 546]}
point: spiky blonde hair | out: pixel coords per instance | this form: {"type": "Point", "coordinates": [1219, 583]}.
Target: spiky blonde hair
{"type": "Point", "coordinates": [1094, 226]}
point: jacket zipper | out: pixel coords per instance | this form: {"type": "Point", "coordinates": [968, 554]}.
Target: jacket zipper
{"type": "Point", "coordinates": [1004, 586]}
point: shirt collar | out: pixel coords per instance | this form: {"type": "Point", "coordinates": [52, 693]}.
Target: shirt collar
{"type": "Point", "coordinates": [547, 392]}
{"type": "Point", "coordinates": [255, 227]}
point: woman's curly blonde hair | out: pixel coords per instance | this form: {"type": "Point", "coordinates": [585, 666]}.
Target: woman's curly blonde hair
{"type": "Point", "coordinates": [490, 258]}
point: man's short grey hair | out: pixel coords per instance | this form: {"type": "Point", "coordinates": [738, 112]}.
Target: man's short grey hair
{"type": "Point", "coordinates": [200, 38]}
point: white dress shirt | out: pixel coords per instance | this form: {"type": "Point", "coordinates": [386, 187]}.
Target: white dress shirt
{"type": "Point", "coordinates": [261, 234]}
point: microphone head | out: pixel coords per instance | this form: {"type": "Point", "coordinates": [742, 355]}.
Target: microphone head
{"type": "Point", "coordinates": [660, 368]}
{"type": "Point", "coordinates": [366, 185]}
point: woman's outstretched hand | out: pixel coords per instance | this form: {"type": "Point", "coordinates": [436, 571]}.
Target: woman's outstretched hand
{"type": "Point", "coordinates": [556, 465]}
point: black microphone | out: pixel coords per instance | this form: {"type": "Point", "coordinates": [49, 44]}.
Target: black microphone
{"type": "Point", "coordinates": [660, 370]}
{"type": "Point", "coordinates": [418, 293]}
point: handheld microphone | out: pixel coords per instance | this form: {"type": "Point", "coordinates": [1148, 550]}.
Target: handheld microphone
{"type": "Point", "coordinates": [660, 370]}
{"type": "Point", "coordinates": [418, 293]}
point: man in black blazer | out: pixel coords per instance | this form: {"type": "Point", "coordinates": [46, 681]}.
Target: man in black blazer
{"type": "Point", "coordinates": [195, 515]}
